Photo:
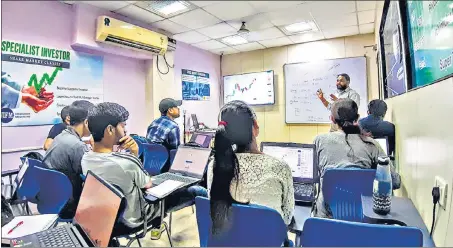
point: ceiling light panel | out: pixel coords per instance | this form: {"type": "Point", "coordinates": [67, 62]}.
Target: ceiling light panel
{"type": "Point", "coordinates": [234, 40]}
{"type": "Point", "coordinates": [166, 9]}
{"type": "Point", "coordinates": [299, 27]}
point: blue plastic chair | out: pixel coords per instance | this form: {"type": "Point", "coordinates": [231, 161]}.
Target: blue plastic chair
{"type": "Point", "coordinates": [156, 157]}
{"type": "Point", "coordinates": [319, 232]}
{"type": "Point", "coordinates": [140, 140]}
{"type": "Point", "coordinates": [55, 190]}
{"type": "Point", "coordinates": [172, 155]}
{"type": "Point", "coordinates": [29, 187]}
{"type": "Point", "coordinates": [250, 226]}
{"type": "Point", "coordinates": [342, 190]}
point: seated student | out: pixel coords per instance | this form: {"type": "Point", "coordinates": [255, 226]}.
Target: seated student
{"type": "Point", "coordinates": [66, 152]}
{"type": "Point", "coordinates": [345, 147]}
{"type": "Point", "coordinates": [57, 128]}
{"type": "Point", "coordinates": [165, 130]}
{"type": "Point", "coordinates": [375, 125]}
{"type": "Point", "coordinates": [107, 123]}
{"type": "Point", "coordinates": [245, 175]}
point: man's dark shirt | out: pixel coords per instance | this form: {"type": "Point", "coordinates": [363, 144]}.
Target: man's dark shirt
{"type": "Point", "coordinates": [379, 129]}
{"type": "Point", "coordinates": [56, 130]}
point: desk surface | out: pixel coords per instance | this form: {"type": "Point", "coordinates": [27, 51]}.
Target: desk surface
{"type": "Point", "coordinates": [402, 212]}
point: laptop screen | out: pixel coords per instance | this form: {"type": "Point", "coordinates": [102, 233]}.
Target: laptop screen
{"type": "Point", "coordinates": [191, 161]}
{"type": "Point", "coordinates": [383, 143]}
{"type": "Point", "coordinates": [97, 211]}
{"type": "Point", "coordinates": [299, 159]}
{"type": "Point", "coordinates": [201, 139]}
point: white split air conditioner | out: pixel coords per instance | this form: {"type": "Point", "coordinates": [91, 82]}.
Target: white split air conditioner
{"type": "Point", "coordinates": [119, 33]}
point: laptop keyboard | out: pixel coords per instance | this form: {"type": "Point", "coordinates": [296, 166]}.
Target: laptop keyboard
{"type": "Point", "coordinates": [302, 190]}
{"type": "Point", "coordinates": [169, 176]}
{"type": "Point", "coordinates": [57, 237]}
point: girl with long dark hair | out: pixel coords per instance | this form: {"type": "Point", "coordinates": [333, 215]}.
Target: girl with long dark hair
{"type": "Point", "coordinates": [241, 173]}
{"type": "Point", "coordinates": [346, 147]}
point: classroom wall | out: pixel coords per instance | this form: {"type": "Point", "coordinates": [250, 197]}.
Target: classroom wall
{"type": "Point", "coordinates": [193, 58]}
{"type": "Point", "coordinates": [271, 119]}
{"type": "Point", "coordinates": [424, 142]}
{"type": "Point", "coordinates": [128, 79]}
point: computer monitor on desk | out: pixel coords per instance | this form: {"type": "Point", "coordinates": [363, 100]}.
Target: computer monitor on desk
{"type": "Point", "coordinates": [301, 158]}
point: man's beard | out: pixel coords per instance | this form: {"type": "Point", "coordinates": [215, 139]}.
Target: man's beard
{"type": "Point", "coordinates": [340, 87]}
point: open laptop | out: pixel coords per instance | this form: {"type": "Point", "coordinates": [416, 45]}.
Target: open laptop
{"type": "Point", "coordinates": [93, 222]}
{"type": "Point", "coordinates": [19, 178]}
{"type": "Point", "coordinates": [384, 143]}
{"type": "Point", "coordinates": [188, 166]}
{"type": "Point", "coordinates": [203, 140]}
{"type": "Point", "coordinates": [303, 162]}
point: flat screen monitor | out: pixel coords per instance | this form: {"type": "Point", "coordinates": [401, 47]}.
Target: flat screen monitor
{"type": "Point", "coordinates": [255, 88]}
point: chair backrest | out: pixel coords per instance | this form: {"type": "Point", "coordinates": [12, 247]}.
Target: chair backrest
{"type": "Point", "coordinates": [342, 190]}
{"type": "Point", "coordinates": [172, 155]}
{"type": "Point", "coordinates": [55, 190]}
{"type": "Point", "coordinates": [140, 140]}
{"type": "Point", "coordinates": [29, 187]}
{"type": "Point", "coordinates": [156, 157]}
{"type": "Point", "coordinates": [319, 232]}
{"type": "Point", "coordinates": [251, 225]}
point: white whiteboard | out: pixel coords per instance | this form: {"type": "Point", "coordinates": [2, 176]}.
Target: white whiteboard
{"type": "Point", "coordinates": [302, 80]}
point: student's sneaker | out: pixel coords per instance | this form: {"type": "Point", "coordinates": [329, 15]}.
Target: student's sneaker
{"type": "Point", "coordinates": [157, 232]}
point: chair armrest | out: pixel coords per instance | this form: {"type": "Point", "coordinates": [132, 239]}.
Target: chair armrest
{"type": "Point", "coordinates": [9, 172]}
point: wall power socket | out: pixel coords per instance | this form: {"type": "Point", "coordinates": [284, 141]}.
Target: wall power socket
{"type": "Point", "coordinates": [443, 189]}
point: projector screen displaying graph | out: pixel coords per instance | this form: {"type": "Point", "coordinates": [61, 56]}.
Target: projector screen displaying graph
{"type": "Point", "coordinates": [255, 88]}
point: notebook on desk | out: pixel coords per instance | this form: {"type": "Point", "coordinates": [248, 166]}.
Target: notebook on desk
{"type": "Point", "coordinates": [303, 162]}
{"type": "Point", "coordinates": [25, 225]}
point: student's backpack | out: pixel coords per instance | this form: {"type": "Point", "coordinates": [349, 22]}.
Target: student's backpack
{"type": "Point", "coordinates": [34, 155]}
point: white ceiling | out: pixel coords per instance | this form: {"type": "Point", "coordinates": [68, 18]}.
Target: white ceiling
{"type": "Point", "coordinates": [209, 21]}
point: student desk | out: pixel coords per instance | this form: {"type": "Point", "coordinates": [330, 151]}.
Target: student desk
{"type": "Point", "coordinates": [301, 213]}
{"type": "Point", "coordinates": [402, 212]}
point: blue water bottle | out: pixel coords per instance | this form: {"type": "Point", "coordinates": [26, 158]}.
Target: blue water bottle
{"type": "Point", "coordinates": [382, 187]}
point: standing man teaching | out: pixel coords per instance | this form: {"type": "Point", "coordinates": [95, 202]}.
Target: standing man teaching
{"type": "Point", "coordinates": [343, 91]}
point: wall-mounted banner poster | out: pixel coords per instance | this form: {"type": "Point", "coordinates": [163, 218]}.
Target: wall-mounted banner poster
{"type": "Point", "coordinates": [431, 40]}
{"type": "Point", "coordinates": [195, 85]}
{"type": "Point", "coordinates": [38, 81]}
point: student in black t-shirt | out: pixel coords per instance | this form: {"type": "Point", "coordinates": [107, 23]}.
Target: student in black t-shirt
{"type": "Point", "coordinates": [57, 128]}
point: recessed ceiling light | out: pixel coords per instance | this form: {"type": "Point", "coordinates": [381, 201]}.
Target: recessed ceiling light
{"type": "Point", "coordinates": [234, 40]}
{"type": "Point", "coordinates": [166, 9]}
{"type": "Point", "coordinates": [300, 27]}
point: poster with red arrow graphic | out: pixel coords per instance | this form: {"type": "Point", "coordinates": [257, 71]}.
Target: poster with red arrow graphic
{"type": "Point", "coordinates": [38, 81]}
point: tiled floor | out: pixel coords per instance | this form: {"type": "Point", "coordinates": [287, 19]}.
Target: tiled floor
{"type": "Point", "coordinates": [184, 232]}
